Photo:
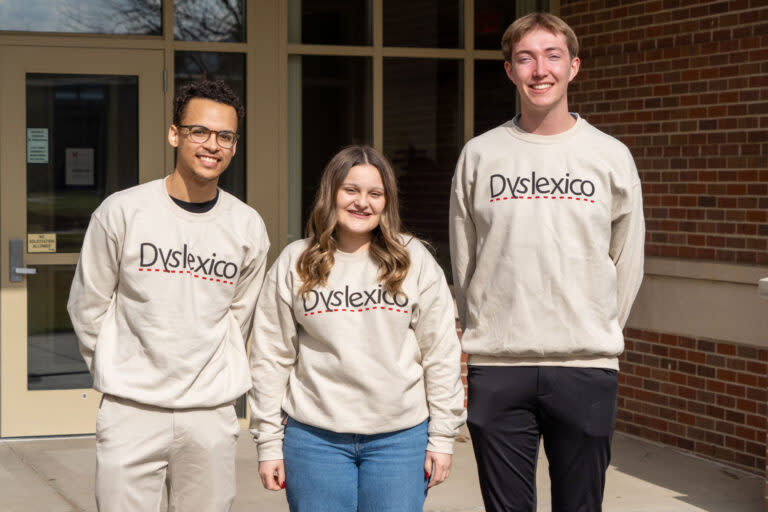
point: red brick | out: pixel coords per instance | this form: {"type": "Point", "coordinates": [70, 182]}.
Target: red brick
{"type": "Point", "coordinates": [745, 432]}
{"type": "Point", "coordinates": [734, 390]}
{"type": "Point", "coordinates": [747, 379]}
{"type": "Point", "coordinates": [725, 401]}
{"type": "Point", "coordinates": [757, 449]}
{"type": "Point", "coordinates": [726, 375]}
{"type": "Point", "coordinates": [725, 427]}
{"type": "Point", "coordinates": [757, 367]}
{"type": "Point", "coordinates": [734, 416]}
{"type": "Point", "coordinates": [756, 421]}
{"type": "Point", "coordinates": [715, 386]}
{"type": "Point", "coordinates": [735, 443]}
{"type": "Point", "coordinates": [746, 405]}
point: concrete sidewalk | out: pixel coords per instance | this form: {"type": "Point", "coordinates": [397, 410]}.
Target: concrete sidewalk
{"type": "Point", "coordinates": [56, 475]}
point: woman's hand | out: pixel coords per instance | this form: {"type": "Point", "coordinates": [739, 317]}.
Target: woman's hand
{"type": "Point", "coordinates": [437, 467]}
{"type": "Point", "coordinates": [272, 473]}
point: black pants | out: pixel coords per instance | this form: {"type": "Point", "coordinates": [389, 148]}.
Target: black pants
{"type": "Point", "coordinates": [574, 409]}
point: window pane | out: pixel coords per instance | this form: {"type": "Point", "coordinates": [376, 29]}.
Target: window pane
{"type": "Point", "coordinates": [137, 17]}
{"type": "Point", "coordinates": [209, 20]}
{"type": "Point", "coordinates": [338, 22]}
{"type": "Point", "coordinates": [82, 145]}
{"type": "Point", "coordinates": [329, 107]}
{"type": "Point", "coordinates": [423, 125]}
{"type": "Point", "coordinates": [230, 67]}
{"type": "Point", "coordinates": [492, 17]}
{"type": "Point", "coordinates": [53, 356]}
{"type": "Point", "coordinates": [495, 95]}
{"type": "Point", "coordinates": [424, 23]}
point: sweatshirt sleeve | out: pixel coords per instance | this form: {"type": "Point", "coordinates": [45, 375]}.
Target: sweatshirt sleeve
{"type": "Point", "coordinates": [250, 282]}
{"type": "Point", "coordinates": [273, 353]}
{"type": "Point", "coordinates": [627, 245]}
{"type": "Point", "coordinates": [435, 328]}
{"type": "Point", "coordinates": [93, 287]}
{"type": "Point", "coordinates": [462, 234]}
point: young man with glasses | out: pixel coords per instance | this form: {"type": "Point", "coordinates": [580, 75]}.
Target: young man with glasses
{"type": "Point", "coordinates": [547, 233]}
{"type": "Point", "coordinates": [162, 303]}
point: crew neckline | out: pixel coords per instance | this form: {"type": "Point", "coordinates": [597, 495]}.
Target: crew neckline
{"type": "Point", "coordinates": [351, 256]}
{"type": "Point", "coordinates": [185, 214]}
{"type": "Point", "coordinates": [513, 128]}
{"type": "Point", "coordinates": [197, 207]}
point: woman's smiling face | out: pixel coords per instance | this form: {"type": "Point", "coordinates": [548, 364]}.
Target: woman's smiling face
{"type": "Point", "coordinates": [359, 202]}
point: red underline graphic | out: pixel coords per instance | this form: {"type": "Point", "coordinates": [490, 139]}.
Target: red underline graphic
{"type": "Point", "coordinates": [356, 310]}
{"type": "Point", "coordinates": [507, 198]}
{"type": "Point", "coordinates": [190, 274]}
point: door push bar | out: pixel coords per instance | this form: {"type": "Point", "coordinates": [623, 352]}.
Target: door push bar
{"type": "Point", "coordinates": [18, 270]}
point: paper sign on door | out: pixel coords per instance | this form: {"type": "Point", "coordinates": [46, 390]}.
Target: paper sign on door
{"type": "Point", "coordinates": [79, 166]}
{"type": "Point", "coordinates": [37, 145]}
{"type": "Point", "coordinates": [41, 242]}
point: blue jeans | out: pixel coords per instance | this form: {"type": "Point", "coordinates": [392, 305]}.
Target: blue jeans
{"type": "Point", "coordinates": [330, 472]}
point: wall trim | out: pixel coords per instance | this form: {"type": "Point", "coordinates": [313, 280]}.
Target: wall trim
{"type": "Point", "coordinates": [702, 300]}
{"type": "Point", "coordinates": [707, 270]}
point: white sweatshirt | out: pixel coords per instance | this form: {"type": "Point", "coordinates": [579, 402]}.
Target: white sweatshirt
{"type": "Point", "coordinates": [547, 238]}
{"type": "Point", "coordinates": [350, 358]}
{"type": "Point", "coordinates": [162, 299]}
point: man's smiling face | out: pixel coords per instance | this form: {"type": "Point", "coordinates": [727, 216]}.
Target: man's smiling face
{"type": "Point", "coordinates": [204, 161]}
{"type": "Point", "coordinates": [542, 68]}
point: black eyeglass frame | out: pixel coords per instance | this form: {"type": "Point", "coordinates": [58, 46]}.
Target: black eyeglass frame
{"type": "Point", "coordinates": [189, 127]}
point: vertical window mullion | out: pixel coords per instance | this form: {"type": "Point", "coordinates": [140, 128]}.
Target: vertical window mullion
{"type": "Point", "coordinates": [378, 74]}
{"type": "Point", "coordinates": [295, 143]}
{"type": "Point", "coordinates": [469, 69]}
{"type": "Point", "coordinates": [170, 80]}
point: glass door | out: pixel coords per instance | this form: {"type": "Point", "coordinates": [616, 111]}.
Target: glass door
{"type": "Point", "coordinates": [76, 125]}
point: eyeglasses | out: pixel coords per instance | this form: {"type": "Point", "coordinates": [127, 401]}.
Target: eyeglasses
{"type": "Point", "coordinates": [199, 134]}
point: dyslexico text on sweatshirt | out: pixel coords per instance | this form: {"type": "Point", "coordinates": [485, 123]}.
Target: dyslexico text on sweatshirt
{"type": "Point", "coordinates": [547, 237]}
{"type": "Point", "coordinates": [350, 357]}
{"type": "Point", "coordinates": [162, 299]}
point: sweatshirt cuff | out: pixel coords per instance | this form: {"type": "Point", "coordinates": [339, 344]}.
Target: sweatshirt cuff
{"type": "Point", "coordinates": [271, 450]}
{"type": "Point", "coordinates": [440, 444]}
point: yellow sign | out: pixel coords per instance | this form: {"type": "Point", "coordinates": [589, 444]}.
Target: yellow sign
{"type": "Point", "coordinates": [41, 242]}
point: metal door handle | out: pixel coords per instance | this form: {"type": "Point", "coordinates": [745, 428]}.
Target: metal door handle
{"type": "Point", "coordinates": [16, 260]}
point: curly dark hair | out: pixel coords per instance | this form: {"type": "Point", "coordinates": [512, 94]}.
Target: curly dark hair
{"type": "Point", "coordinates": [215, 90]}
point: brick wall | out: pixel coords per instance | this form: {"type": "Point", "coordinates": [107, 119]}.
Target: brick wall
{"type": "Point", "coordinates": [684, 83]}
{"type": "Point", "coordinates": [704, 396]}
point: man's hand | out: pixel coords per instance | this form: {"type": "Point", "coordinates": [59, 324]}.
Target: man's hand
{"type": "Point", "coordinates": [437, 467]}
{"type": "Point", "coordinates": [272, 473]}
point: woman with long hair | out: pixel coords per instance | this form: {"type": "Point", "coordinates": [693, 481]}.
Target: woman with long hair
{"type": "Point", "coordinates": [357, 394]}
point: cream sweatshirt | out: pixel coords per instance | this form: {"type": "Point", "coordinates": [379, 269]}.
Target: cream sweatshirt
{"type": "Point", "coordinates": [349, 357]}
{"type": "Point", "coordinates": [162, 299]}
{"type": "Point", "coordinates": [547, 238]}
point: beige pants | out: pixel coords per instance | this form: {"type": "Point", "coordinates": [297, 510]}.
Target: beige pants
{"type": "Point", "coordinates": [141, 449]}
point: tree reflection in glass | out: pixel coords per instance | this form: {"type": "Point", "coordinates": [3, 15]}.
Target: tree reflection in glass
{"type": "Point", "coordinates": [134, 17]}
{"type": "Point", "coordinates": [209, 20]}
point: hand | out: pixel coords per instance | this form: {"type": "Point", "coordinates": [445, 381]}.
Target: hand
{"type": "Point", "coordinates": [437, 466]}
{"type": "Point", "coordinates": [272, 473]}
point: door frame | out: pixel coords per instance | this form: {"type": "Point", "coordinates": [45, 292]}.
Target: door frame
{"type": "Point", "coordinates": [56, 412]}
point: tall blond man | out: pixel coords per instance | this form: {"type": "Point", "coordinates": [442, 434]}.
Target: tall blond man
{"type": "Point", "coordinates": [547, 234]}
{"type": "Point", "coordinates": [162, 303]}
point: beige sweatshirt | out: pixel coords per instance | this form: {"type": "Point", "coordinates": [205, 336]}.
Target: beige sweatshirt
{"type": "Point", "coordinates": [349, 357]}
{"type": "Point", "coordinates": [162, 299]}
{"type": "Point", "coordinates": [547, 239]}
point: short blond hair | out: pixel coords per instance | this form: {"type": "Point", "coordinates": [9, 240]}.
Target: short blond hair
{"type": "Point", "coordinates": [532, 21]}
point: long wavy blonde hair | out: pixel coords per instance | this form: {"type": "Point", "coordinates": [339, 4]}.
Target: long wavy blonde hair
{"type": "Point", "coordinates": [387, 240]}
